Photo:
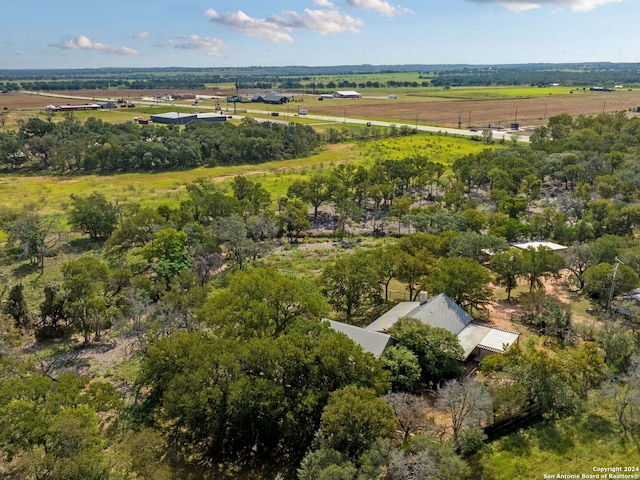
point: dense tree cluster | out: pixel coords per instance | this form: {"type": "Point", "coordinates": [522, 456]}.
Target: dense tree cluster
{"type": "Point", "coordinates": [96, 146]}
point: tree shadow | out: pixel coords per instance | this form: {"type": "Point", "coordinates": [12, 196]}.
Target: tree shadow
{"type": "Point", "coordinates": [81, 245]}
{"type": "Point", "coordinates": [24, 270]}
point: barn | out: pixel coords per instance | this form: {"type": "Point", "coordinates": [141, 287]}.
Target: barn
{"type": "Point", "coordinates": [277, 98]}
{"type": "Point", "coordinates": [176, 118]}
{"type": "Point", "coordinates": [173, 118]}
{"type": "Point", "coordinates": [346, 94]}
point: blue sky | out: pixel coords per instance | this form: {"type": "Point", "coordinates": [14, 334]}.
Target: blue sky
{"type": "Point", "coordinates": [212, 33]}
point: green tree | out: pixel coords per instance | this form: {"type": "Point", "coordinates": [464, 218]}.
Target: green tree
{"type": "Point", "coordinates": [251, 196]}
{"type": "Point", "coordinates": [508, 267]}
{"type": "Point", "coordinates": [437, 350]}
{"type": "Point", "coordinates": [404, 367]}
{"type": "Point", "coordinates": [599, 281]}
{"type": "Point", "coordinates": [232, 232]}
{"type": "Point", "coordinates": [30, 231]}
{"type": "Point", "coordinates": [354, 418]}
{"type": "Point", "coordinates": [262, 302]}
{"type": "Point", "coordinates": [167, 254]}
{"type": "Point", "coordinates": [462, 279]}
{"type": "Point", "coordinates": [295, 220]}
{"type": "Point", "coordinates": [85, 283]}
{"type": "Point", "coordinates": [223, 400]}
{"type": "Point", "coordinates": [540, 263]}
{"type": "Point", "coordinates": [93, 215]}
{"type": "Point", "coordinates": [350, 282]}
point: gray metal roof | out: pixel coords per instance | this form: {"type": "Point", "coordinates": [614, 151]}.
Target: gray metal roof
{"type": "Point", "coordinates": [372, 342]}
{"type": "Point", "coordinates": [173, 115]}
{"type": "Point", "coordinates": [471, 336]}
{"type": "Point", "coordinates": [442, 312]}
{"type": "Point", "coordinates": [386, 321]}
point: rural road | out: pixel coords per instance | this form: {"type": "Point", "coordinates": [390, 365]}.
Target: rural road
{"type": "Point", "coordinates": [506, 135]}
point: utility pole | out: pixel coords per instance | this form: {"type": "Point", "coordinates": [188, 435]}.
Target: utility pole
{"type": "Point", "coordinates": [613, 284]}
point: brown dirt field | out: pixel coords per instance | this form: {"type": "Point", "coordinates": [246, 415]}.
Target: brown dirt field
{"type": "Point", "coordinates": [531, 111]}
{"type": "Point", "coordinates": [501, 312]}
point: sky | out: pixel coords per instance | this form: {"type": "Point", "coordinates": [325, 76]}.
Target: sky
{"type": "Point", "coordinates": [238, 33]}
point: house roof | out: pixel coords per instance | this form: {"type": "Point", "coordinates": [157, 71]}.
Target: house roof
{"type": "Point", "coordinates": [275, 97]}
{"type": "Point", "coordinates": [539, 244]}
{"type": "Point", "coordinates": [347, 93]}
{"type": "Point", "coordinates": [471, 336]}
{"type": "Point", "coordinates": [440, 312]}
{"type": "Point", "coordinates": [173, 115]}
{"type": "Point", "coordinates": [386, 321]}
{"type": "Point", "coordinates": [498, 340]}
{"type": "Point", "coordinates": [373, 342]}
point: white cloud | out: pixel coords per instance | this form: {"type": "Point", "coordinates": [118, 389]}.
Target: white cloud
{"type": "Point", "coordinates": [524, 5]}
{"type": "Point", "coordinates": [211, 46]}
{"type": "Point", "coordinates": [254, 27]}
{"type": "Point", "coordinates": [83, 42]}
{"type": "Point", "coordinates": [381, 6]}
{"type": "Point", "coordinates": [322, 21]}
{"type": "Point", "coordinates": [141, 35]}
{"type": "Point", "coordinates": [324, 3]}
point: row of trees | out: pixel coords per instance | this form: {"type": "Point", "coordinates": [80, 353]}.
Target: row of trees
{"type": "Point", "coordinates": [96, 146]}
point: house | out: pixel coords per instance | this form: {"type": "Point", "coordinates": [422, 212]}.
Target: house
{"type": "Point", "coordinates": [477, 340]}
{"type": "Point", "coordinates": [555, 247]}
{"type": "Point", "coordinates": [346, 94]}
{"type": "Point", "coordinates": [372, 342]}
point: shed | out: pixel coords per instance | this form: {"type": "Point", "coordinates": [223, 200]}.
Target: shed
{"type": "Point", "coordinates": [347, 94]}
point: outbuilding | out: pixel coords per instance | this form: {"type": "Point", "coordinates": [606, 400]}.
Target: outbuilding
{"type": "Point", "coordinates": [346, 94]}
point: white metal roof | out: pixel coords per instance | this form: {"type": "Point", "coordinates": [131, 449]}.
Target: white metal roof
{"type": "Point", "coordinates": [539, 244]}
{"type": "Point", "coordinates": [498, 340]}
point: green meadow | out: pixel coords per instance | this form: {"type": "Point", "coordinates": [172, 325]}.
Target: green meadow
{"type": "Point", "coordinates": [50, 193]}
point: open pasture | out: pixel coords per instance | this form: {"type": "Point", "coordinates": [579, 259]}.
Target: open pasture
{"type": "Point", "coordinates": [50, 193]}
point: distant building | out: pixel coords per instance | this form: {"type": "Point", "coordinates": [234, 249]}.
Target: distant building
{"type": "Point", "coordinates": [175, 118]}
{"type": "Point", "coordinates": [556, 247]}
{"type": "Point", "coordinates": [277, 98]}
{"type": "Point", "coordinates": [72, 108]}
{"type": "Point", "coordinates": [346, 94]}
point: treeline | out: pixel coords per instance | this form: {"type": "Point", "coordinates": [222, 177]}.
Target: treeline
{"type": "Point", "coordinates": [541, 76]}
{"type": "Point", "coordinates": [97, 146]}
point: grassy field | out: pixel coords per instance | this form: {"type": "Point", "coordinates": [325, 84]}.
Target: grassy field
{"type": "Point", "coordinates": [568, 446]}
{"type": "Point", "coordinates": [50, 194]}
